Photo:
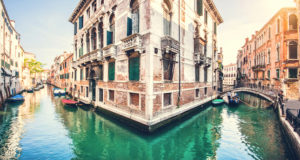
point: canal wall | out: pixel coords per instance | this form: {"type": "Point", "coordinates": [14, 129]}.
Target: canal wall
{"type": "Point", "coordinates": [292, 137]}
{"type": "Point", "coordinates": [150, 126]}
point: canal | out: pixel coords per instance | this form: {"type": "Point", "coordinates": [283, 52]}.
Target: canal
{"type": "Point", "coordinates": [42, 128]}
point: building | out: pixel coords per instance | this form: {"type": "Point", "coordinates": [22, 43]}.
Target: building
{"type": "Point", "coordinates": [11, 56]}
{"type": "Point", "coordinates": [230, 73]}
{"type": "Point", "coordinates": [270, 58]}
{"type": "Point", "coordinates": [132, 58]}
{"type": "Point", "coordinates": [66, 72]}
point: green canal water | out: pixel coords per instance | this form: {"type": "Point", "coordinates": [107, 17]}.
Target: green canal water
{"type": "Point", "coordinates": [41, 128]}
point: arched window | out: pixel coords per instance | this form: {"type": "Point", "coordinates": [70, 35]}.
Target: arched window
{"type": "Point", "coordinates": [94, 39]}
{"type": "Point", "coordinates": [111, 32]}
{"type": "Point", "coordinates": [293, 51]}
{"type": "Point", "coordinates": [88, 42]}
{"type": "Point", "coordinates": [293, 22]}
{"type": "Point", "coordinates": [100, 34]}
{"type": "Point", "coordinates": [133, 20]}
{"type": "Point", "coordinates": [167, 15]}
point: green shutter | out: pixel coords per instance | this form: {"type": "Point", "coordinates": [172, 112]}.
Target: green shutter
{"type": "Point", "coordinates": [109, 37]}
{"type": "Point", "coordinates": [134, 69]}
{"type": "Point", "coordinates": [81, 22]}
{"type": "Point", "coordinates": [2, 62]}
{"type": "Point", "coordinates": [215, 27]}
{"type": "Point", "coordinates": [111, 71]}
{"type": "Point", "coordinates": [75, 28]}
{"type": "Point", "coordinates": [129, 26]}
{"type": "Point", "coordinates": [81, 52]}
{"type": "Point", "coordinates": [199, 7]}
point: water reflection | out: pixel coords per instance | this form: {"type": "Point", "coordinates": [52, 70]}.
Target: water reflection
{"type": "Point", "coordinates": [42, 128]}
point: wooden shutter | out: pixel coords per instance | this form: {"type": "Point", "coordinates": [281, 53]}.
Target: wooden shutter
{"type": "Point", "coordinates": [81, 22]}
{"type": "Point", "coordinates": [109, 37]}
{"type": "Point", "coordinates": [199, 7]}
{"type": "Point", "coordinates": [129, 26]}
{"type": "Point", "coordinates": [75, 28]}
{"type": "Point", "coordinates": [111, 71]}
{"type": "Point", "coordinates": [134, 69]}
{"type": "Point", "coordinates": [135, 22]}
{"type": "Point", "coordinates": [197, 73]}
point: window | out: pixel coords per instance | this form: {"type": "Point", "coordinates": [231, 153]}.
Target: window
{"type": "Point", "coordinates": [101, 72]}
{"type": "Point", "coordinates": [269, 56]}
{"type": "Point", "coordinates": [111, 32]}
{"type": "Point", "coordinates": [86, 73]}
{"type": "Point", "coordinates": [168, 66]}
{"type": "Point", "coordinates": [269, 74]}
{"type": "Point", "coordinates": [199, 7]}
{"type": "Point", "coordinates": [269, 33]}
{"type": "Point", "coordinates": [277, 73]}
{"type": "Point", "coordinates": [100, 94]}
{"type": "Point", "coordinates": [94, 5]}
{"type": "Point", "coordinates": [81, 74]}
{"type": "Point", "coordinates": [75, 77]}
{"type": "Point", "coordinates": [86, 91]}
{"type": "Point", "coordinates": [88, 13]}
{"type": "Point", "coordinates": [205, 74]}
{"type": "Point", "coordinates": [133, 20]}
{"type": "Point", "coordinates": [111, 95]}
{"type": "Point", "coordinates": [205, 16]}
{"type": "Point", "coordinates": [167, 17]}
{"type": "Point", "coordinates": [278, 25]}
{"type": "Point", "coordinates": [111, 71]}
{"type": "Point", "coordinates": [197, 77]}
{"type": "Point", "coordinates": [75, 28]}
{"type": "Point", "coordinates": [205, 91]}
{"type": "Point", "coordinates": [293, 73]}
{"type": "Point", "coordinates": [167, 99]}
{"type": "Point", "coordinates": [134, 99]}
{"type": "Point", "coordinates": [134, 69]}
{"type": "Point", "coordinates": [278, 52]}
{"type": "Point", "coordinates": [80, 22]}
{"type": "Point", "coordinates": [197, 93]}
{"type": "Point", "coordinates": [293, 51]}
{"type": "Point", "coordinates": [88, 42]}
{"type": "Point", "coordinates": [293, 22]}
{"type": "Point", "coordinates": [100, 34]}
{"type": "Point", "coordinates": [215, 29]}
{"type": "Point", "coordinates": [94, 39]}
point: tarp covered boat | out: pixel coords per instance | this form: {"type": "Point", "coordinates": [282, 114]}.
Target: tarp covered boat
{"type": "Point", "coordinates": [69, 102]}
{"type": "Point", "coordinates": [16, 98]}
{"type": "Point", "coordinates": [217, 101]}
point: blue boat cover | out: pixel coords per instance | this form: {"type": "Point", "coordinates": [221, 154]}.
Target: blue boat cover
{"type": "Point", "coordinates": [18, 96]}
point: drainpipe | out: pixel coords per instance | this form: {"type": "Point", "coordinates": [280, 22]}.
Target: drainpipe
{"type": "Point", "coordinates": [179, 61]}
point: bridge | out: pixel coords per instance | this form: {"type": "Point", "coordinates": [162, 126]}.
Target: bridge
{"type": "Point", "coordinates": [267, 93]}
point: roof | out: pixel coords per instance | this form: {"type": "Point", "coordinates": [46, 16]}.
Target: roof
{"type": "Point", "coordinates": [78, 8]}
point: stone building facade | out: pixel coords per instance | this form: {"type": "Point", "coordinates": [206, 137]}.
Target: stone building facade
{"type": "Point", "coordinates": [230, 73]}
{"type": "Point", "coordinates": [270, 58]}
{"type": "Point", "coordinates": [132, 57]}
{"type": "Point", "coordinates": [66, 73]}
{"type": "Point", "coordinates": [11, 56]}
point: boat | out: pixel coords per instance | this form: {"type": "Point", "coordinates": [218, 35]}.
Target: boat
{"type": "Point", "coordinates": [217, 101]}
{"type": "Point", "coordinates": [16, 98]}
{"type": "Point", "coordinates": [69, 102]}
{"type": "Point", "coordinates": [56, 92]}
{"type": "Point", "coordinates": [234, 101]}
{"type": "Point", "coordinates": [30, 90]}
{"type": "Point", "coordinates": [59, 92]}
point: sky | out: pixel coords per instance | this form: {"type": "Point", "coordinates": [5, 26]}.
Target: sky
{"type": "Point", "coordinates": [46, 31]}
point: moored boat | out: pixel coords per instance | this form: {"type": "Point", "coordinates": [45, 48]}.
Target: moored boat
{"type": "Point", "coordinates": [69, 102]}
{"type": "Point", "coordinates": [217, 101]}
{"type": "Point", "coordinates": [30, 90]}
{"type": "Point", "coordinates": [16, 98]}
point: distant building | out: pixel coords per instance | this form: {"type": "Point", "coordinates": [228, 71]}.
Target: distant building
{"type": "Point", "coordinates": [270, 58]}
{"type": "Point", "coordinates": [230, 74]}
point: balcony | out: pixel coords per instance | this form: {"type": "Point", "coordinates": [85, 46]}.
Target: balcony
{"type": "Point", "coordinates": [110, 51]}
{"type": "Point", "coordinates": [207, 62]}
{"type": "Point", "coordinates": [95, 55]}
{"type": "Point", "coordinates": [132, 43]}
{"type": "Point", "coordinates": [168, 44]}
{"type": "Point", "coordinates": [199, 58]}
{"type": "Point", "coordinates": [260, 67]}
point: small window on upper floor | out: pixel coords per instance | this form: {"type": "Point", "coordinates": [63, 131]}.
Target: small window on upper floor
{"type": "Point", "coordinates": [167, 17]}
{"type": "Point", "coordinates": [88, 12]}
{"type": "Point", "coordinates": [293, 22]}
